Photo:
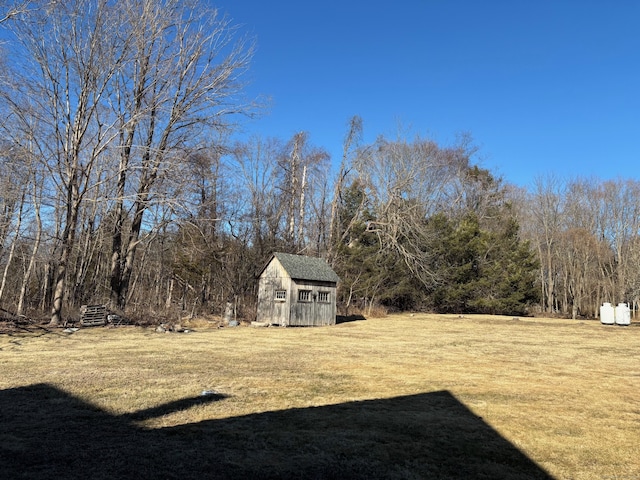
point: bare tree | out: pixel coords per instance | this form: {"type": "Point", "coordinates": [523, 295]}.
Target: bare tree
{"type": "Point", "coordinates": [351, 140]}
{"type": "Point", "coordinates": [547, 207]}
{"type": "Point", "coordinates": [407, 182]}
{"type": "Point", "coordinates": [71, 54]}
{"type": "Point", "coordinates": [293, 181]}
{"type": "Point", "coordinates": [15, 240]}
{"type": "Point", "coordinates": [260, 202]}
{"type": "Point", "coordinates": [10, 9]}
{"type": "Point", "coordinates": [10, 190]}
{"type": "Point", "coordinates": [36, 200]}
{"type": "Point", "coordinates": [586, 234]}
{"type": "Point", "coordinates": [577, 251]}
{"type": "Point", "coordinates": [621, 205]}
{"type": "Point", "coordinates": [180, 82]}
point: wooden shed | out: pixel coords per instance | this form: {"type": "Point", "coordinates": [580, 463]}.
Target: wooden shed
{"type": "Point", "coordinates": [295, 290]}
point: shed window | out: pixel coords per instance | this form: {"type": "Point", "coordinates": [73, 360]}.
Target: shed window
{"type": "Point", "coordinates": [323, 297]}
{"type": "Point", "coordinates": [304, 295]}
{"type": "Point", "coordinates": [281, 295]}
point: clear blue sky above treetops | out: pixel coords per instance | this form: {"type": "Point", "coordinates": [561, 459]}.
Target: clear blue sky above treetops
{"type": "Point", "coordinates": [543, 86]}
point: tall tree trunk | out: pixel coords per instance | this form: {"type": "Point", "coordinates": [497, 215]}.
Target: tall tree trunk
{"type": "Point", "coordinates": [34, 251]}
{"type": "Point", "coordinates": [301, 223]}
{"type": "Point", "coordinates": [116, 235]}
{"type": "Point", "coordinates": [13, 247]}
{"type": "Point", "coordinates": [355, 130]}
{"type": "Point", "coordinates": [295, 160]}
{"type": "Point", "coordinates": [68, 240]}
{"type": "Point", "coordinates": [120, 283]}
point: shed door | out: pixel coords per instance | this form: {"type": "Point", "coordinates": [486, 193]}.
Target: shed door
{"type": "Point", "coordinates": [303, 309]}
{"type": "Point", "coordinates": [312, 307]}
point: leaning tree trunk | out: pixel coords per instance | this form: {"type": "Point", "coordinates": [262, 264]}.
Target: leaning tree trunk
{"type": "Point", "coordinates": [32, 259]}
{"type": "Point", "coordinates": [120, 283]}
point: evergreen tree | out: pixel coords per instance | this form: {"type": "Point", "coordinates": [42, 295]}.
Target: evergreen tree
{"type": "Point", "coordinates": [483, 271]}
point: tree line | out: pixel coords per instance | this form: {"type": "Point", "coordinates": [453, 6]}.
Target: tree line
{"type": "Point", "coordinates": [586, 236]}
{"type": "Point", "coordinates": [122, 184]}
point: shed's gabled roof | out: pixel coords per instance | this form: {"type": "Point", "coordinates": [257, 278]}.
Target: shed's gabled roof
{"type": "Point", "coordinates": [300, 267]}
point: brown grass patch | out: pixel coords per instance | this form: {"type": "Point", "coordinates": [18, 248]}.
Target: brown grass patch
{"type": "Point", "coordinates": [397, 397]}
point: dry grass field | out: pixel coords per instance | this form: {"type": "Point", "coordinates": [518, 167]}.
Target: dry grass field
{"type": "Point", "coordinates": [402, 397]}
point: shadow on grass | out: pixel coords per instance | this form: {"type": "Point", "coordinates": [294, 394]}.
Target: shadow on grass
{"type": "Point", "coordinates": [48, 434]}
{"type": "Point", "coordinates": [349, 318]}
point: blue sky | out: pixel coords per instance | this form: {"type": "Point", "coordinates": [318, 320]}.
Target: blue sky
{"type": "Point", "coordinates": [544, 87]}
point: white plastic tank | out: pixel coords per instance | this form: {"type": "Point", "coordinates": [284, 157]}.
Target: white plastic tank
{"type": "Point", "coordinates": [623, 314]}
{"type": "Point", "coordinates": [607, 314]}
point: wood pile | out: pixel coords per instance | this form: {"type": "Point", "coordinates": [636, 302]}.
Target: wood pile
{"type": "Point", "coordinates": [93, 315]}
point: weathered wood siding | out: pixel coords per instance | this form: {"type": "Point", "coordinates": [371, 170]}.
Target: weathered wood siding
{"type": "Point", "coordinates": [270, 310]}
{"type": "Point", "coordinates": [317, 311]}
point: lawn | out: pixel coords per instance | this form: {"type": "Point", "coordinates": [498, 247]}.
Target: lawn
{"type": "Point", "coordinates": [404, 397]}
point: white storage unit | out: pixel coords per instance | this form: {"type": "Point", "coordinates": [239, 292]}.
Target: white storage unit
{"type": "Point", "coordinates": [623, 314]}
{"type": "Point", "coordinates": [607, 314]}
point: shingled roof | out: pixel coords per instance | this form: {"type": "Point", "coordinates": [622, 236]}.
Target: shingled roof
{"type": "Point", "coordinates": [300, 267]}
